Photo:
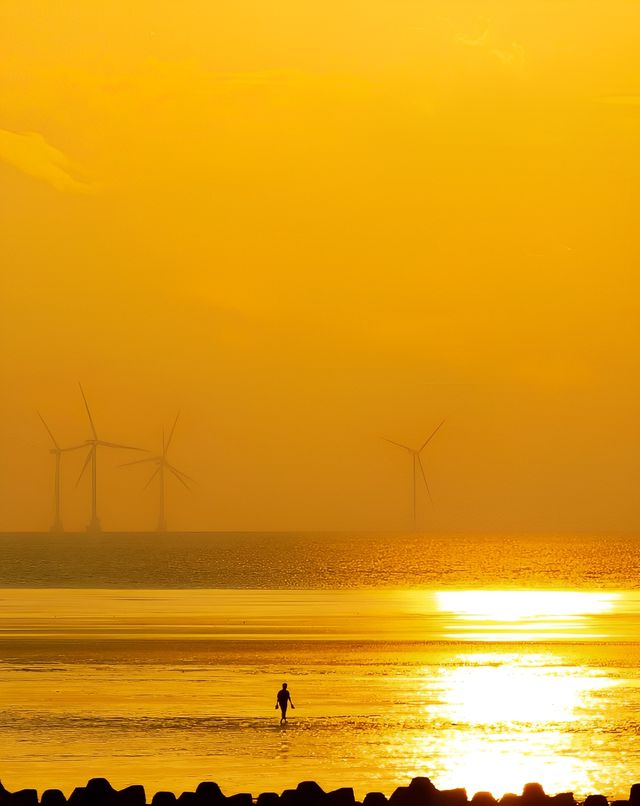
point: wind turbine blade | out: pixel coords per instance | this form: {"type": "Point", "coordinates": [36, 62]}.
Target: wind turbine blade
{"type": "Point", "coordinates": [398, 444]}
{"type": "Point", "coordinates": [154, 474]}
{"type": "Point", "coordinates": [428, 440]}
{"type": "Point", "coordinates": [180, 473]}
{"type": "Point", "coordinates": [139, 461]}
{"type": "Point", "coordinates": [74, 447]}
{"type": "Point", "coordinates": [424, 478]}
{"type": "Point", "coordinates": [164, 445]}
{"type": "Point", "coordinates": [53, 439]}
{"type": "Point", "coordinates": [116, 445]}
{"type": "Point", "coordinates": [84, 466]}
{"type": "Point", "coordinates": [93, 428]}
{"type": "Point", "coordinates": [179, 477]}
{"type": "Point", "coordinates": [173, 428]}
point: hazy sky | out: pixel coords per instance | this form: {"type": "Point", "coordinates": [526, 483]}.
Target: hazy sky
{"type": "Point", "coordinates": [308, 225]}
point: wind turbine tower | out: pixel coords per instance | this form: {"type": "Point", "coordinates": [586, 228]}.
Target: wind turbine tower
{"type": "Point", "coordinates": [94, 443]}
{"type": "Point", "coordinates": [416, 458]}
{"type": "Point", "coordinates": [57, 451]}
{"type": "Point", "coordinates": [163, 467]}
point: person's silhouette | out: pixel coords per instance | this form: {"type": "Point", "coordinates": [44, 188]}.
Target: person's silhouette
{"type": "Point", "coordinates": [283, 698]}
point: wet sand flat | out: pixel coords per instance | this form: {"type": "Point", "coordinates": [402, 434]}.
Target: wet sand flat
{"type": "Point", "coordinates": [486, 689]}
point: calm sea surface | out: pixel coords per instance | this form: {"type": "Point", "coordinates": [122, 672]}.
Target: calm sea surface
{"type": "Point", "coordinates": [483, 662]}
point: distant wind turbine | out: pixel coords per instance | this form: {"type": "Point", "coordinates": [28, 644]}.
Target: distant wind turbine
{"type": "Point", "coordinates": [417, 465]}
{"type": "Point", "coordinates": [57, 451]}
{"type": "Point", "coordinates": [162, 468]}
{"type": "Point", "coordinates": [94, 443]}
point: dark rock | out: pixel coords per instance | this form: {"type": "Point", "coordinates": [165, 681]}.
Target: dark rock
{"type": "Point", "coordinates": [24, 797]}
{"type": "Point", "coordinates": [401, 796]}
{"type": "Point", "coordinates": [164, 799]}
{"type": "Point", "coordinates": [451, 797]}
{"type": "Point", "coordinates": [99, 785]}
{"type": "Point", "coordinates": [209, 792]}
{"type": "Point", "coordinates": [344, 796]}
{"type": "Point", "coordinates": [423, 791]}
{"type": "Point", "coordinates": [289, 798]}
{"type": "Point", "coordinates": [483, 799]}
{"type": "Point", "coordinates": [52, 797]}
{"type": "Point", "coordinates": [78, 797]}
{"type": "Point", "coordinates": [310, 793]}
{"type": "Point", "coordinates": [533, 793]}
{"type": "Point", "coordinates": [375, 799]}
{"type": "Point", "coordinates": [99, 791]}
{"type": "Point", "coordinates": [133, 795]}
{"type": "Point", "coordinates": [420, 792]}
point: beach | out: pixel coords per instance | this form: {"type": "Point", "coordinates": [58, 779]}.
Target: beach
{"type": "Point", "coordinates": [475, 687]}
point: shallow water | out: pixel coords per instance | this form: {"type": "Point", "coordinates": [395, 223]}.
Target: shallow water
{"type": "Point", "coordinates": [485, 689]}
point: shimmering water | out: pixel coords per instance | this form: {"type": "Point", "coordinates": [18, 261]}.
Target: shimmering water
{"type": "Point", "coordinates": [269, 560]}
{"type": "Point", "coordinates": [483, 662]}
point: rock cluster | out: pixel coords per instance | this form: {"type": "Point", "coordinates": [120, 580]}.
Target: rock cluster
{"type": "Point", "coordinates": [420, 792]}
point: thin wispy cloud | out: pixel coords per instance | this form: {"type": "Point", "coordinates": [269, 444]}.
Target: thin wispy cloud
{"type": "Point", "coordinates": [480, 41]}
{"type": "Point", "coordinates": [512, 56]}
{"type": "Point", "coordinates": [30, 153]}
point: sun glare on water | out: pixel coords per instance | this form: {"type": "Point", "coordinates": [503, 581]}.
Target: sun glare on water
{"type": "Point", "coordinates": [510, 717]}
{"type": "Point", "coordinates": [506, 717]}
{"type": "Point", "coordinates": [524, 615]}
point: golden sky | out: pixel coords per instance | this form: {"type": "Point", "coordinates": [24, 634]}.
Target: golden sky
{"type": "Point", "coordinates": [311, 225]}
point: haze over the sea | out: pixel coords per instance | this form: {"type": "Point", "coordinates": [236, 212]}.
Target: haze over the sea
{"type": "Point", "coordinates": [308, 226]}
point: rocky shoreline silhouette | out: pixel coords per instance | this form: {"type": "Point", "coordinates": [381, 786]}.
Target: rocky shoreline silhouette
{"type": "Point", "coordinates": [420, 792]}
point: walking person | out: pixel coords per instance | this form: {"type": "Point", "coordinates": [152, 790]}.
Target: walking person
{"type": "Point", "coordinates": [283, 698]}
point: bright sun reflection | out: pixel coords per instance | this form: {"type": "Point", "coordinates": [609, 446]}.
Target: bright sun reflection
{"type": "Point", "coordinates": [524, 615]}
{"type": "Point", "coordinates": [500, 688]}
{"type": "Point", "coordinates": [504, 718]}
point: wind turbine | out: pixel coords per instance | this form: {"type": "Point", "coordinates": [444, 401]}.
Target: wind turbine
{"type": "Point", "coordinates": [162, 468]}
{"type": "Point", "coordinates": [57, 451]}
{"type": "Point", "coordinates": [417, 465]}
{"type": "Point", "coordinates": [94, 443]}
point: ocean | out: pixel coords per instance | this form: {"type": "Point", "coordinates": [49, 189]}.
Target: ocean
{"type": "Point", "coordinates": [480, 661]}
